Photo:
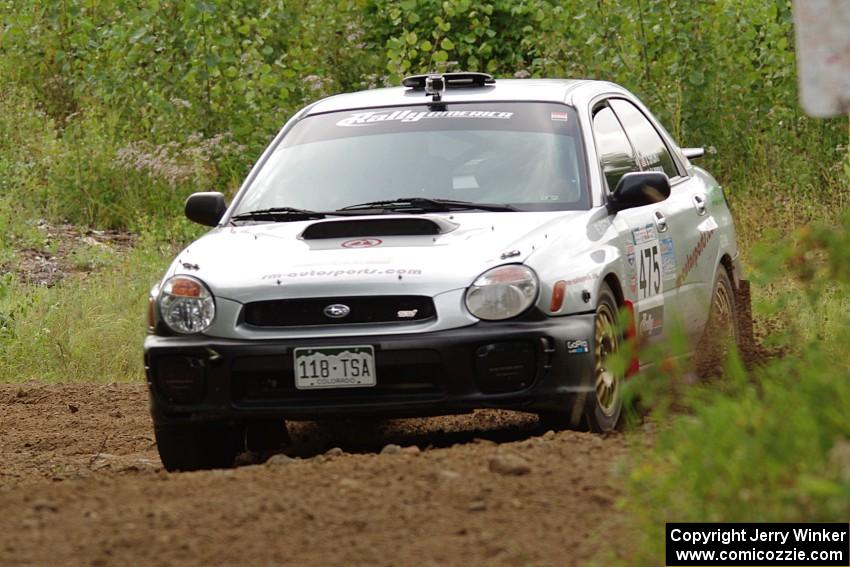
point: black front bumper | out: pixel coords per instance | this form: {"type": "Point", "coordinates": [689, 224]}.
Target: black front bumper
{"type": "Point", "coordinates": [512, 365]}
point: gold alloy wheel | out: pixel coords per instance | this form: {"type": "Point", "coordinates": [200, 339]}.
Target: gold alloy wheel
{"type": "Point", "coordinates": [722, 313]}
{"type": "Point", "coordinates": [722, 309]}
{"type": "Point", "coordinates": [607, 343]}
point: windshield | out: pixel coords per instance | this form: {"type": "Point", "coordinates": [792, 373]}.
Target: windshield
{"type": "Point", "coordinates": [528, 155]}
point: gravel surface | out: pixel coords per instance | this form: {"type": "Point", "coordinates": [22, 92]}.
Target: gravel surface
{"type": "Point", "coordinates": [81, 484]}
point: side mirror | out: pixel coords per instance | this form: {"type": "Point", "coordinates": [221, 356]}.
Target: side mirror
{"type": "Point", "coordinates": [638, 189]}
{"type": "Point", "coordinates": [205, 208]}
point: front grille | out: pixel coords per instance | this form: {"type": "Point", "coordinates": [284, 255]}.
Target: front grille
{"type": "Point", "coordinates": [365, 309]}
{"type": "Point", "coordinates": [400, 375]}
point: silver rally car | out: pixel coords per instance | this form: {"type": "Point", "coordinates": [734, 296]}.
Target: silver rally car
{"type": "Point", "coordinates": [455, 243]}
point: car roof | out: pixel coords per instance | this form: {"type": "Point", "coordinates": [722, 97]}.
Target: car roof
{"type": "Point", "coordinates": [539, 90]}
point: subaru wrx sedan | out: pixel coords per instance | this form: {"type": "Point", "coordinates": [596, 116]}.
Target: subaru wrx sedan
{"type": "Point", "coordinates": [455, 243]}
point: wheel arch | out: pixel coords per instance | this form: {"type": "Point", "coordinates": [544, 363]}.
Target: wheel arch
{"type": "Point", "coordinates": [743, 305]}
{"type": "Point", "coordinates": [728, 264]}
{"type": "Point", "coordinates": [614, 283]}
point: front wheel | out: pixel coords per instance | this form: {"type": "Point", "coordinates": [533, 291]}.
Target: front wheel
{"type": "Point", "coordinates": [197, 446]}
{"type": "Point", "coordinates": [604, 407]}
{"type": "Point", "coordinates": [601, 409]}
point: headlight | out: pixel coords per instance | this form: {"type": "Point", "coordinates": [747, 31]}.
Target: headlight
{"type": "Point", "coordinates": [502, 293]}
{"type": "Point", "coordinates": [186, 305]}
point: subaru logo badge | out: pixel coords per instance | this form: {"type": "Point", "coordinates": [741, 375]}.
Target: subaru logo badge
{"type": "Point", "coordinates": [337, 311]}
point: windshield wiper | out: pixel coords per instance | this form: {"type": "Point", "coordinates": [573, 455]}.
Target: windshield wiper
{"type": "Point", "coordinates": [407, 204]}
{"type": "Point", "coordinates": [428, 205]}
{"type": "Point", "coordinates": [279, 214]}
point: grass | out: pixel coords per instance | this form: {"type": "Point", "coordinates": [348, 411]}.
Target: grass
{"type": "Point", "coordinates": [88, 327]}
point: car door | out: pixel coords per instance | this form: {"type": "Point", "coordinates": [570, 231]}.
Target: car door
{"type": "Point", "coordinates": [684, 211]}
{"type": "Point", "coordinates": [644, 230]}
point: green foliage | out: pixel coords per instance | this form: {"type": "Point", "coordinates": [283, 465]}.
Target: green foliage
{"type": "Point", "coordinates": [112, 112]}
{"type": "Point", "coordinates": [92, 79]}
{"type": "Point", "coordinates": [496, 36]}
{"type": "Point", "coordinates": [84, 328]}
{"type": "Point", "coordinates": [170, 69]}
{"type": "Point", "coordinates": [773, 443]}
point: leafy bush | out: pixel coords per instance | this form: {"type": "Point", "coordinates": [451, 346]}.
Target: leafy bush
{"type": "Point", "coordinates": [117, 74]}
{"type": "Point", "coordinates": [496, 36]}
{"type": "Point", "coordinates": [171, 69]}
{"type": "Point", "coordinates": [771, 444]}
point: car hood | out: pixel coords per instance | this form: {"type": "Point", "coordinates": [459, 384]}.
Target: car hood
{"type": "Point", "coordinates": [275, 260]}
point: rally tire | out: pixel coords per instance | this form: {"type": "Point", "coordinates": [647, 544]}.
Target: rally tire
{"type": "Point", "coordinates": [597, 411]}
{"type": "Point", "coordinates": [604, 406]}
{"type": "Point", "coordinates": [199, 446]}
{"type": "Point", "coordinates": [722, 330]}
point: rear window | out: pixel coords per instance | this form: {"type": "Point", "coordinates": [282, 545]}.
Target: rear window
{"type": "Point", "coordinates": [528, 155]}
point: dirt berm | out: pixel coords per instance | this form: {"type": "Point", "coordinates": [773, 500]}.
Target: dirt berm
{"type": "Point", "coordinates": [81, 484]}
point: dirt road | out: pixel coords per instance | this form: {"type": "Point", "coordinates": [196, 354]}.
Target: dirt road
{"type": "Point", "coordinates": [81, 484]}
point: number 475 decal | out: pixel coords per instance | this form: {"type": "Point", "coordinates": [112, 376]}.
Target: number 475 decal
{"type": "Point", "coordinates": [649, 270]}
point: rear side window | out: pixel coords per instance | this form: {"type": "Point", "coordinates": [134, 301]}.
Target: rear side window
{"type": "Point", "coordinates": [652, 154]}
{"type": "Point", "coordinates": [615, 152]}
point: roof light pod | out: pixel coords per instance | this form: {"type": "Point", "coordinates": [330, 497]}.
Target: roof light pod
{"type": "Point", "coordinates": [443, 81]}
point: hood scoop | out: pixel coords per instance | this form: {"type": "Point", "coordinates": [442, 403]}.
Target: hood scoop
{"type": "Point", "coordinates": [419, 225]}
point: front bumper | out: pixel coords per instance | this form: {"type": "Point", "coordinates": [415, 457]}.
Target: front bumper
{"type": "Point", "coordinates": [522, 365]}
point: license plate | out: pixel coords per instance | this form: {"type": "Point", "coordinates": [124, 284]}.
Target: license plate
{"type": "Point", "coordinates": [334, 367]}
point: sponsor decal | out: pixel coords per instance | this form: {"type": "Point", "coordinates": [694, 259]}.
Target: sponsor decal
{"type": "Point", "coordinates": [366, 118]}
{"type": "Point", "coordinates": [647, 262]}
{"type": "Point", "coordinates": [353, 261]}
{"type": "Point", "coordinates": [578, 346]}
{"type": "Point", "coordinates": [630, 255]}
{"type": "Point", "coordinates": [559, 116]}
{"type": "Point", "coordinates": [693, 257]}
{"type": "Point", "coordinates": [651, 322]}
{"type": "Point", "coordinates": [644, 234]}
{"type": "Point", "coordinates": [630, 258]}
{"type": "Point", "coordinates": [362, 243]}
{"type": "Point", "coordinates": [668, 259]}
{"type": "Point", "coordinates": [582, 279]}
